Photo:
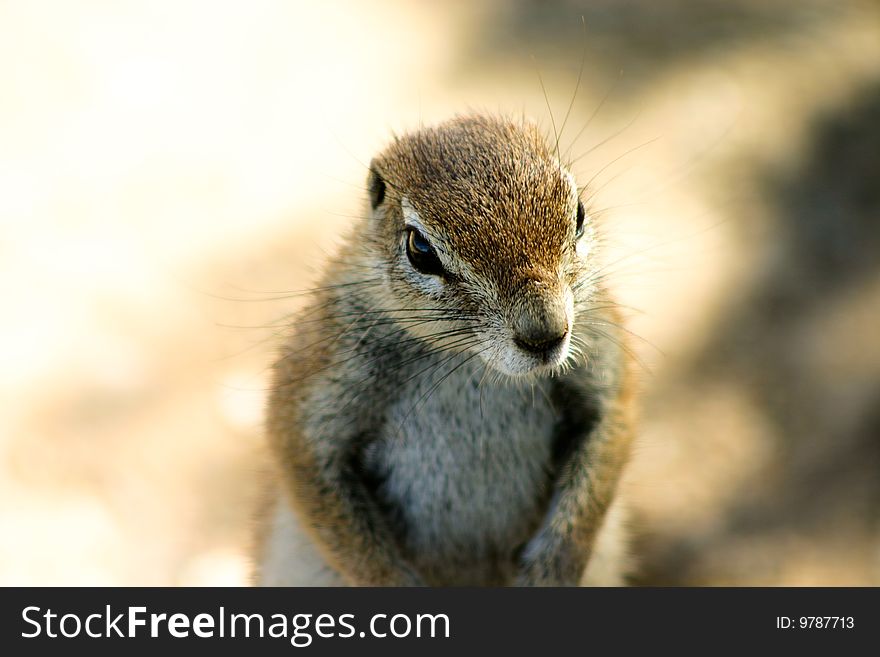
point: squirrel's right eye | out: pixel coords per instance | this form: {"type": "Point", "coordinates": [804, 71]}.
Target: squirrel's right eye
{"type": "Point", "coordinates": [421, 254]}
{"type": "Point", "coordinates": [579, 226]}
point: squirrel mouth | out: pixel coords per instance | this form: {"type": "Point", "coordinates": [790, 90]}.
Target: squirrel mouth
{"type": "Point", "coordinates": [524, 358]}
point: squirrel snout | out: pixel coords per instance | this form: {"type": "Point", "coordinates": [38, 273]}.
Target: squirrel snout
{"type": "Point", "coordinates": [540, 326]}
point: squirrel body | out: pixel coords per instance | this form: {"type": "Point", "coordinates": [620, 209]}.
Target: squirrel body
{"type": "Point", "coordinates": [454, 406]}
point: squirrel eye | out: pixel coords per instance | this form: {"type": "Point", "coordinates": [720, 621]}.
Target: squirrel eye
{"type": "Point", "coordinates": [579, 227]}
{"type": "Point", "coordinates": [421, 254]}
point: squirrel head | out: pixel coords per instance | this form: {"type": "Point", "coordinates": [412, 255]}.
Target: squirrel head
{"type": "Point", "coordinates": [478, 229]}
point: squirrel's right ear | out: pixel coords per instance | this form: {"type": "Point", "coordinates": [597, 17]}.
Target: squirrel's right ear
{"type": "Point", "coordinates": [375, 187]}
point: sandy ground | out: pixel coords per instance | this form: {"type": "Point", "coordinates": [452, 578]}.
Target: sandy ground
{"type": "Point", "coordinates": [171, 172]}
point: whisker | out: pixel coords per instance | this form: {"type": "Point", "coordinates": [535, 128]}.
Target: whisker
{"type": "Point", "coordinates": [632, 354]}
{"type": "Point", "coordinates": [549, 110]}
{"type": "Point", "coordinates": [620, 327]}
{"type": "Point", "coordinates": [577, 86]}
{"type": "Point", "coordinates": [290, 294]}
{"type": "Point", "coordinates": [607, 139]}
{"type": "Point", "coordinates": [618, 158]}
{"type": "Point", "coordinates": [590, 120]}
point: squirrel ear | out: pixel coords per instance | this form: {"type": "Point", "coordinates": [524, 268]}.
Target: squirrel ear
{"type": "Point", "coordinates": [375, 187]}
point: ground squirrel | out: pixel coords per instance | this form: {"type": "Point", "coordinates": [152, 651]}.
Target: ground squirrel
{"type": "Point", "coordinates": [454, 406]}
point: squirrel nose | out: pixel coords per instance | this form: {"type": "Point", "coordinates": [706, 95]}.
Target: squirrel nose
{"type": "Point", "coordinates": [539, 343]}
{"type": "Point", "coordinates": [540, 326]}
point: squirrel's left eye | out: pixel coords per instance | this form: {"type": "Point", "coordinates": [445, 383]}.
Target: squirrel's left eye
{"type": "Point", "coordinates": [421, 254]}
{"type": "Point", "coordinates": [579, 226]}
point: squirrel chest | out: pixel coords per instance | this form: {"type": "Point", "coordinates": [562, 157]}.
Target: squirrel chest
{"type": "Point", "coordinates": [463, 471]}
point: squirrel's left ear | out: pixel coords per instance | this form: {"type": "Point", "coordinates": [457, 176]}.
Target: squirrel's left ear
{"type": "Point", "coordinates": [375, 187]}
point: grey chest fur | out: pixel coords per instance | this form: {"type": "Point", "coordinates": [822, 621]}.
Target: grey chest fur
{"type": "Point", "coordinates": [463, 471]}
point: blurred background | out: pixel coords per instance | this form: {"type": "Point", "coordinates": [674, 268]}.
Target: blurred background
{"type": "Point", "coordinates": [171, 171]}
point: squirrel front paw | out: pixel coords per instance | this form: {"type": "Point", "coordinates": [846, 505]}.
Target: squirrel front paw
{"type": "Point", "coordinates": [547, 561]}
